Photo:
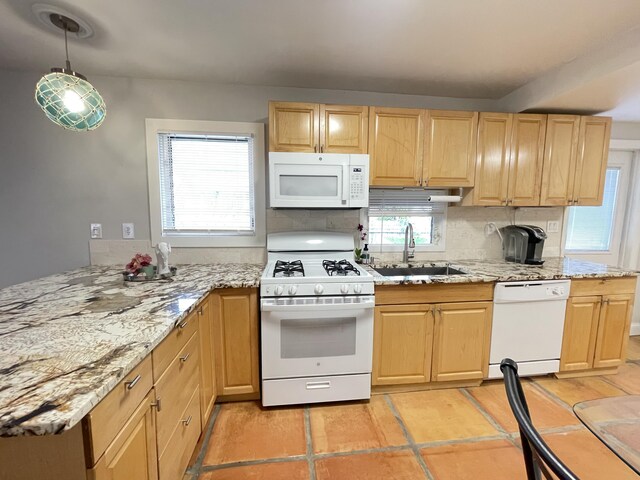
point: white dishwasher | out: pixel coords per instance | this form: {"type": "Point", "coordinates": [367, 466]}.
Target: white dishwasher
{"type": "Point", "coordinates": [528, 323]}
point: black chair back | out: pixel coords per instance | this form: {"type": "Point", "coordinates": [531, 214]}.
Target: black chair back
{"type": "Point", "coordinates": [539, 460]}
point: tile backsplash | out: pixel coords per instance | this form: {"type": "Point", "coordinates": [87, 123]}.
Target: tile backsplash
{"type": "Point", "coordinates": [465, 236]}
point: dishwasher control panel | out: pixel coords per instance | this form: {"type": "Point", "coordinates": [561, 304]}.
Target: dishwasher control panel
{"type": "Point", "coordinates": [531, 291]}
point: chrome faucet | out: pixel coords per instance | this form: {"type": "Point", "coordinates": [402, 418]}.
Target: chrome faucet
{"type": "Point", "coordinates": [409, 242]}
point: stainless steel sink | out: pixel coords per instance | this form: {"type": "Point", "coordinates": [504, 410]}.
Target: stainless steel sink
{"type": "Point", "coordinates": [409, 271]}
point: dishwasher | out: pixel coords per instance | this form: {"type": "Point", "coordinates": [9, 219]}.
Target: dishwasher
{"type": "Point", "coordinates": [528, 323]}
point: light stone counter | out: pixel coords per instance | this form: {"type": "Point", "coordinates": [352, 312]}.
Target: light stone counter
{"type": "Point", "coordinates": [501, 271]}
{"type": "Point", "coordinates": [67, 340]}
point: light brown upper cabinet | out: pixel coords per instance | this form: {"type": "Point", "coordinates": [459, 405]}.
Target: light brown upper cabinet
{"type": "Point", "coordinates": [450, 149]}
{"type": "Point", "coordinates": [313, 127]}
{"type": "Point", "coordinates": [509, 159]}
{"type": "Point", "coordinates": [591, 166]}
{"type": "Point", "coordinates": [396, 146]}
{"type": "Point", "coordinates": [575, 160]}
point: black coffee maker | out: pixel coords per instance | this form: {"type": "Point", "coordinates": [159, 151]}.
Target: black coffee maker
{"type": "Point", "coordinates": [523, 244]}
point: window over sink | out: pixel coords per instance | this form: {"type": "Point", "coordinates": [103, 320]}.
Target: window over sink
{"type": "Point", "coordinates": [206, 183]}
{"type": "Point", "coordinates": [391, 210]}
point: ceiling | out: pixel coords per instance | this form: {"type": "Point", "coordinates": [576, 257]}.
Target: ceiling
{"type": "Point", "coordinates": [525, 55]}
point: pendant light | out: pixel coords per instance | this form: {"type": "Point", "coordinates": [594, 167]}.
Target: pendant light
{"type": "Point", "coordinates": [65, 96]}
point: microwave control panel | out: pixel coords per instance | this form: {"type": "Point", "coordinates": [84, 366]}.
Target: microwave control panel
{"type": "Point", "coordinates": [359, 186]}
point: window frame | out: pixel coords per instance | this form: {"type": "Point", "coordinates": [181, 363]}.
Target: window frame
{"type": "Point", "coordinates": [155, 126]}
{"type": "Point", "coordinates": [610, 256]}
{"type": "Point", "coordinates": [440, 225]}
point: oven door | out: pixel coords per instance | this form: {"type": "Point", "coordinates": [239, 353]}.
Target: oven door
{"type": "Point", "coordinates": [309, 181]}
{"type": "Point", "coordinates": [316, 336]}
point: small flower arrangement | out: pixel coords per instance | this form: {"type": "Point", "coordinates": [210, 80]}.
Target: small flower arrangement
{"type": "Point", "coordinates": [137, 263]}
{"type": "Point", "coordinates": [363, 236]}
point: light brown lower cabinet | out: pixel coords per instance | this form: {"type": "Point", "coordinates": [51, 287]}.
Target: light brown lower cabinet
{"type": "Point", "coordinates": [596, 328]}
{"type": "Point", "coordinates": [416, 344]}
{"type": "Point", "coordinates": [132, 454]}
{"type": "Point", "coordinates": [207, 370]}
{"type": "Point", "coordinates": [461, 341]}
{"type": "Point", "coordinates": [235, 336]}
{"type": "Point", "coordinates": [403, 338]}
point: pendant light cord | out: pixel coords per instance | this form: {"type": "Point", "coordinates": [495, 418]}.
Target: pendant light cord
{"type": "Point", "coordinates": [66, 45]}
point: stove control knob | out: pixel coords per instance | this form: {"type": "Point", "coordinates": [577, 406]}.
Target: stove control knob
{"type": "Point", "coordinates": [344, 288]}
{"type": "Point", "coordinates": [357, 288]}
{"type": "Point", "coordinates": [319, 289]}
{"type": "Point", "coordinates": [278, 290]}
{"type": "Point", "coordinates": [293, 289]}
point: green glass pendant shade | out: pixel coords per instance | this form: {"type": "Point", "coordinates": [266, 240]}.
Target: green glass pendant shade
{"type": "Point", "coordinates": [70, 101]}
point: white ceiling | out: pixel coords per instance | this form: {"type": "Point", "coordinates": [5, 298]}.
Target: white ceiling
{"type": "Point", "coordinates": [524, 54]}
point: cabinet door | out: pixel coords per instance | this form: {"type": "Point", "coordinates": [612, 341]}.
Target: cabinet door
{"type": "Point", "coordinates": [462, 337]}
{"type": "Point", "coordinates": [560, 152]}
{"type": "Point", "coordinates": [132, 454]}
{"type": "Point", "coordinates": [613, 331]}
{"type": "Point", "coordinates": [450, 149]}
{"type": "Point", "coordinates": [235, 332]}
{"type": "Point", "coordinates": [527, 155]}
{"type": "Point", "coordinates": [492, 163]}
{"type": "Point", "coordinates": [207, 369]}
{"type": "Point", "coordinates": [396, 146]}
{"type": "Point", "coordinates": [591, 167]}
{"type": "Point", "coordinates": [580, 331]}
{"type": "Point", "coordinates": [294, 127]}
{"type": "Point", "coordinates": [402, 340]}
{"type": "Point", "coordinates": [344, 128]}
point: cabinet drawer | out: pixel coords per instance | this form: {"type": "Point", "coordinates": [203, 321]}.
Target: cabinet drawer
{"type": "Point", "coordinates": [583, 287]}
{"type": "Point", "coordinates": [175, 459]}
{"type": "Point", "coordinates": [105, 421]}
{"type": "Point", "coordinates": [174, 389]}
{"type": "Point", "coordinates": [164, 353]}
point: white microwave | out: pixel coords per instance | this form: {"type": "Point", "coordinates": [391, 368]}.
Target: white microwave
{"type": "Point", "coordinates": [318, 180]}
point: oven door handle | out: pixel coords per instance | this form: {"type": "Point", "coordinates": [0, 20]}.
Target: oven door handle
{"type": "Point", "coordinates": [317, 306]}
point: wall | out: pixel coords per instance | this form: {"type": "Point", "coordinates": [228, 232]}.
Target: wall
{"type": "Point", "coordinates": [55, 183]}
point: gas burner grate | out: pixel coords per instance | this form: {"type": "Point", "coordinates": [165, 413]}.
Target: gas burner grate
{"type": "Point", "coordinates": [288, 269]}
{"type": "Point", "coordinates": [341, 267]}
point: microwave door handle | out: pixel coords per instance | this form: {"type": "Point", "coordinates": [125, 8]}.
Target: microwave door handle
{"type": "Point", "coordinates": [345, 185]}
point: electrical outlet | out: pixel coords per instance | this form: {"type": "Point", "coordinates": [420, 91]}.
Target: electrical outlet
{"type": "Point", "coordinates": [128, 230]}
{"type": "Point", "coordinates": [553, 227]}
{"type": "Point", "coordinates": [96, 230]}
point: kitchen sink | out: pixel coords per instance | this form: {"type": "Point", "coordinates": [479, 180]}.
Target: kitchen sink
{"type": "Point", "coordinates": [409, 271]}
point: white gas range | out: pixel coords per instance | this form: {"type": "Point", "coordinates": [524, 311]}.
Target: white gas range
{"type": "Point", "coordinates": [317, 320]}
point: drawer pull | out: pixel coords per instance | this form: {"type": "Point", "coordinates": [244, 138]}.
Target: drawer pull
{"type": "Point", "coordinates": [318, 385]}
{"type": "Point", "coordinates": [132, 383]}
{"type": "Point", "coordinates": [183, 324]}
{"type": "Point", "coordinates": [184, 358]}
{"type": "Point", "coordinates": [187, 421]}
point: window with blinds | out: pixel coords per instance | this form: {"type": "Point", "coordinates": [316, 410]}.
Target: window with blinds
{"type": "Point", "coordinates": [391, 210]}
{"type": "Point", "coordinates": [206, 184]}
{"type": "Point", "coordinates": [590, 228]}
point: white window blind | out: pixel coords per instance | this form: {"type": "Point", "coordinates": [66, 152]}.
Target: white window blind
{"type": "Point", "coordinates": [591, 228]}
{"type": "Point", "coordinates": [206, 184]}
{"type": "Point", "coordinates": [386, 202]}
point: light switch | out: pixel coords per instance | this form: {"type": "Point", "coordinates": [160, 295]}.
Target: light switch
{"type": "Point", "coordinates": [96, 230]}
{"type": "Point", "coordinates": [128, 230]}
{"type": "Point", "coordinates": [553, 226]}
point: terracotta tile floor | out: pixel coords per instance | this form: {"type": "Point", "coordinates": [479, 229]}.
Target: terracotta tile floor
{"type": "Point", "coordinates": [458, 434]}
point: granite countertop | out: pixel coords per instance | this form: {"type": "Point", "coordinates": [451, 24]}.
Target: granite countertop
{"type": "Point", "coordinates": [501, 271]}
{"type": "Point", "coordinates": [67, 340]}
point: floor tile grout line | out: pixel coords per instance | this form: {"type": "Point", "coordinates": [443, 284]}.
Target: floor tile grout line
{"type": "Point", "coordinates": [309, 442]}
{"type": "Point", "coordinates": [248, 463]}
{"type": "Point", "coordinates": [408, 437]}
{"type": "Point", "coordinates": [610, 382]}
{"type": "Point", "coordinates": [552, 396]}
{"type": "Point", "coordinates": [197, 465]}
{"type": "Point", "coordinates": [494, 423]}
